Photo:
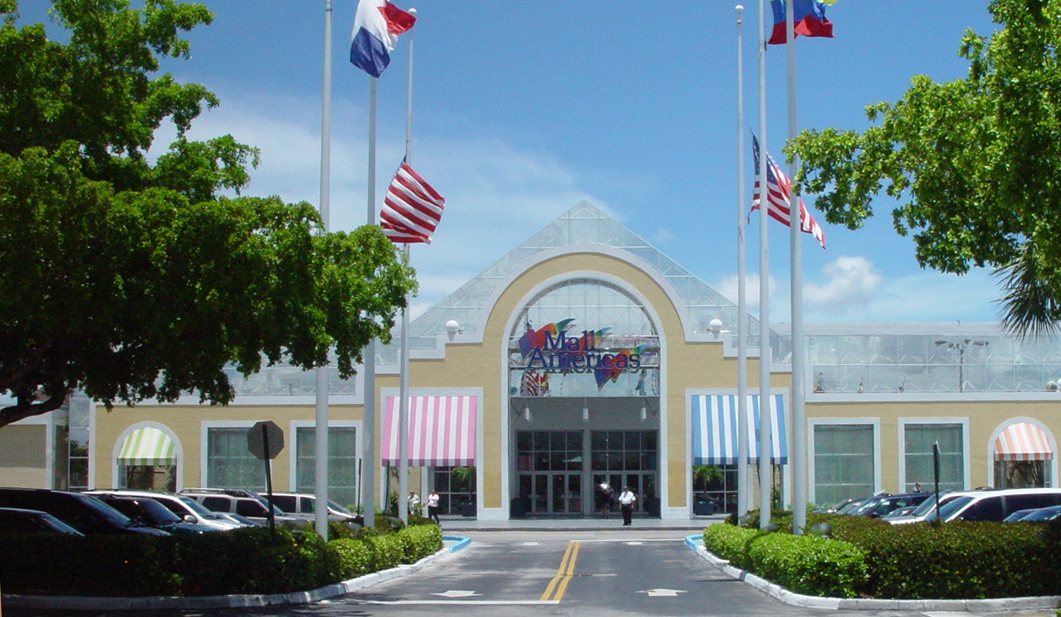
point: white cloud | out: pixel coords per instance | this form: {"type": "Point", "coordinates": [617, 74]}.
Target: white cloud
{"type": "Point", "coordinates": [850, 282]}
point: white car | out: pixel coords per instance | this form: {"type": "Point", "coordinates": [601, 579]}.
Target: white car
{"type": "Point", "coordinates": [186, 508]}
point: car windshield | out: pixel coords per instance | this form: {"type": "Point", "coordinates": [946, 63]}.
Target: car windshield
{"type": "Point", "coordinates": [200, 509]}
{"type": "Point", "coordinates": [107, 513]}
{"type": "Point", "coordinates": [338, 508]}
{"type": "Point", "coordinates": [1043, 514]}
{"type": "Point", "coordinates": [949, 508]}
{"type": "Point", "coordinates": [926, 506]}
{"type": "Point", "coordinates": [158, 513]}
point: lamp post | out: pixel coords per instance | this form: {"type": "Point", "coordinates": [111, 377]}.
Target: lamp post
{"type": "Point", "coordinates": [960, 347]}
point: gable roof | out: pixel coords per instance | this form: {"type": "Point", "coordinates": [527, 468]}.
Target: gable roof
{"type": "Point", "coordinates": [584, 224]}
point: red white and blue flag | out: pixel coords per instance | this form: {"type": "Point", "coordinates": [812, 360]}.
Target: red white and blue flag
{"type": "Point", "coordinates": [411, 209]}
{"type": "Point", "coordinates": [779, 197]}
{"type": "Point", "coordinates": [808, 19]}
{"type": "Point", "coordinates": [377, 25]}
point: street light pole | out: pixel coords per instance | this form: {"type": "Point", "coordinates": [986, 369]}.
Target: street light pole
{"type": "Point", "coordinates": [960, 347]}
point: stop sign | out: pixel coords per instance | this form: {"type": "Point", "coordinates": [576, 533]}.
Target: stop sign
{"type": "Point", "coordinates": [262, 432]}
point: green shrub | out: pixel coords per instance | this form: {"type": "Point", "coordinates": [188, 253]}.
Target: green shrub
{"type": "Point", "coordinates": [351, 558]}
{"type": "Point", "coordinates": [387, 551]}
{"type": "Point", "coordinates": [956, 560]}
{"type": "Point", "coordinates": [242, 561]}
{"type": "Point", "coordinates": [802, 564]}
{"type": "Point", "coordinates": [809, 565]}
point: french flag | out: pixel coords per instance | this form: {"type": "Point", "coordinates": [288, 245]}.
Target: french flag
{"type": "Point", "coordinates": [808, 18]}
{"type": "Point", "coordinates": [377, 25]}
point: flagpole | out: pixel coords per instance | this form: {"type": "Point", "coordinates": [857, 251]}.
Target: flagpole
{"type": "Point", "coordinates": [320, 509]}
{"type": "Point", "coordinates": [368, 452]}
{"type": "Point", "coordinates": [403, 394]}
{"type": "Point", "coordinates": [765, 419]}
{"type": "Point", "coordinates": [742, 304]}
{"type": "Point", "coordinates": [799, 448]}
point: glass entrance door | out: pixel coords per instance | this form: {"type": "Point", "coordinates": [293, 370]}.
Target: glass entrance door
{"type": "Point", "coordinates": [550, 472]}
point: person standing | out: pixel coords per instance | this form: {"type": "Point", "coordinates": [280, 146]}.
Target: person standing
{"type": "Point", "coordinates": [414, 503]}
{"type": "Point", "coordinates": [626, 504]}
{"type": "Point", "coordinates": [432, 507]}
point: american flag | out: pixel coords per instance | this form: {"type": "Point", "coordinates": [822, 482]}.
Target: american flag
{"type": "Point", "coordinates": [534, 383]}
{"type": "Point", "coordinates": [412, 209]}
{"type": "Point", "coordinates": [779, 197]}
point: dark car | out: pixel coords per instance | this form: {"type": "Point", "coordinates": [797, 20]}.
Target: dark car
{"type": "Point", "coordinates": [85, 514]}
{"type": "Point", "coordinates": [21, 520]}
{"type": "Point", "coordinates": [152, 513]}
{"type": "Point", "coordinates": [1043, 514]}
{"type": "Point", "coordinates": [877, 507]}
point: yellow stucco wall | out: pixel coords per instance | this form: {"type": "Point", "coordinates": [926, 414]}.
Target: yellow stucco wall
{"type": "Point", "coordinates": [23, 456]}
{"type": "Point", "coordinates": [482, 365]}
{"type": "Point", "coordinates": [984, 418]}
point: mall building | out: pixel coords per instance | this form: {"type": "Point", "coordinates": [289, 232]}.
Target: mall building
{"type": "Point", "coordinates": [586, 358]}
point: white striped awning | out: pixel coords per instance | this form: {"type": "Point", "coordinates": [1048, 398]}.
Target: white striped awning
{"type": "Point", "coordinates": [441, 431]}
{"type": "Point", "coordinates": [1023, 441]}
{"type": "Point", "coordinates": [146, 446]}
{"type": "Point", "coordinates": [715, 429]}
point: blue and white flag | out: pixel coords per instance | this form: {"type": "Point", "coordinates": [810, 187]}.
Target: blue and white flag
{"type": "Point", "coordinates": [377, 25]}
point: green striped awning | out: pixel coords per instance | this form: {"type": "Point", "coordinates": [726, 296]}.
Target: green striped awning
{"type": "Point", "coordinates": [146, 446]}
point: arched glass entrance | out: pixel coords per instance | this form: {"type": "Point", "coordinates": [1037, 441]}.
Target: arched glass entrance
{"type": "Point", "coordinates": [584, 374]}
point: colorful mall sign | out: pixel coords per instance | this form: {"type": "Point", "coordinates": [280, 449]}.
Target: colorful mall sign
{"type": "Point", "coordinates": [552, 349]}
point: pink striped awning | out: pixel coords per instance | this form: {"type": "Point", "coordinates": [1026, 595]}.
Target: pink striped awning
{"type": "Point", "coordinates": [1023, 442]}
{"type": "Point", "coordinates": [441, 431]}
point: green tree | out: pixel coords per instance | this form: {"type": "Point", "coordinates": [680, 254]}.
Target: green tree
{"type": "Point", "coordinates": [133, 280]}
{"type": "Point", "coordinates": [974, 164]}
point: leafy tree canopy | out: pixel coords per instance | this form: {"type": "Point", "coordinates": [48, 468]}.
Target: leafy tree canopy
{"type": "Point", "coordinates": [131, 279]}
{"type": "Point", "coordinates": [975, 164]}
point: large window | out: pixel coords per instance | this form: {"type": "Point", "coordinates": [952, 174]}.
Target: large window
{"type": "Point", "coordinates": [919, 458]}
{"type": "Point", "coordinates": [844, 460]}
{"type": "Point", "coordinates": [229, 463]}
{"type": "Point", "coordinates": [342, 463]}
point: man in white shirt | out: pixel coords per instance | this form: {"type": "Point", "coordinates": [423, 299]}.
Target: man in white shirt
{"type": "Point", "coordinates": [626, 504]}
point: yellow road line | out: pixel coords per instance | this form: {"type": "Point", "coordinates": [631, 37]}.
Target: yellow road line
{"type": "Point", "coordinates": [563, 575]}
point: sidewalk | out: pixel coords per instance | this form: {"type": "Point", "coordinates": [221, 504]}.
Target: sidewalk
{"type": "Point", "coordinates": [463, 523]}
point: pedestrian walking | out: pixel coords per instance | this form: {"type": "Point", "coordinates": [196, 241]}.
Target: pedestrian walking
{"type": "Point", "coordinates": [432, 507]}
{"type": "Point", "coordinates": [626, 504]}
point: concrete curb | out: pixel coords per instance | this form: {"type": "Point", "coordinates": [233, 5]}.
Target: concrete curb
{"type": "Point", "coordinates": [695, 542]}
{"type": "Point", "coordinates": [233, 601]}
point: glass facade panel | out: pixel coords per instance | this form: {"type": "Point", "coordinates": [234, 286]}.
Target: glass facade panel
{"type": "Point", "coordinates": [229, 463]}
{"type": "Point", "coordinates": [920, 459]}
{"type": "Point", "coordinates": [843, 462]}
{"type": "Point", "coordinates": [342, 463]}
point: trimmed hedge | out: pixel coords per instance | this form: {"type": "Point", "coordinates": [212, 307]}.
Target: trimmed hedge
{"type": "Point", "coordinates": [241, 561]}
{"type": "Point", "coordinates": [803, 564]}
{"type": "Point", "coordinates": [957, 560]}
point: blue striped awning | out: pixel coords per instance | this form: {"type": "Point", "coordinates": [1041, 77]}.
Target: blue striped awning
{"type": "Point", "coordinates": [715, 429]}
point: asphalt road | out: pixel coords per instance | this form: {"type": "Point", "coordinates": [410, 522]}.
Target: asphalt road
{"type": "Point", "coordinates": [514, 574]}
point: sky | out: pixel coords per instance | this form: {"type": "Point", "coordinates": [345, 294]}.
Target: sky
{"type": "Point", "coordinates": [520, 110]}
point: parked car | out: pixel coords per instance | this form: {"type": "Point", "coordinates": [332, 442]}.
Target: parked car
{"type": "Point", "coordinates": [186, 508]}
{"type": "Point", "coordinates": [305, 504]}
{"type": "Point", "coordinates": [997, 504]}
{"type": "Point", "coordinates": [1019, 514]}
{"type": "Point", "coordinates": [876, 507]}
{"type": "Point", "coordinates": [246, 503]}
{"type": "Point", "coordinates": [1043, 514]}
{"type": "Point", "coordinates": [82, 512]}
{"type": "Point", "coordinates": [21, 520]}
{"type": "Point", "coordinates": [926, 507]}
{"type": "Point", "coordinates": [843, 503]}
{"type": "Point", "coordinates": [154, 514]}
{"type": "Point", "coordinates": [852, 505]}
